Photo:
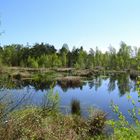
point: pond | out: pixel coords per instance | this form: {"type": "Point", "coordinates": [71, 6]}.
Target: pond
{"type": "Point", "coordinates": [97, 92]}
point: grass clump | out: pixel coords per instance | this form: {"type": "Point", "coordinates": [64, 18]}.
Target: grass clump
{"type": "Point", "coordinates": [75, 107]}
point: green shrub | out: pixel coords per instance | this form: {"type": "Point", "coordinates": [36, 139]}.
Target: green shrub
{"type": "Point", "coordinates": [122, 128]}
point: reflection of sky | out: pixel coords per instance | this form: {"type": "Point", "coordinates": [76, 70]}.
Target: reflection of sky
{"type": "Point", "coordinates": [88, 96]}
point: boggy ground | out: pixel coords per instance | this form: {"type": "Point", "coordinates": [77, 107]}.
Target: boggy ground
{"type": "Point", "coordinates": [22, 72]}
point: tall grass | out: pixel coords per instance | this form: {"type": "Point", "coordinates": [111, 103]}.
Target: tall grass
{"type": "Point", "coordinates": [75, 107]}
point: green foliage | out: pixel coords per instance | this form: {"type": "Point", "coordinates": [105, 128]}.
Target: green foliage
{"type": "Point", "coordinates": [138, 86]}
{"type": "Point", "coordinates": [81, 61]}
{"type": "Point", "coordinates": [63, 53]}
{"type": "Point", "coordinates": [45, 55]}
{"type": "Point", "coordinates": [64, 59]}
{"type": "Point", "coordinates": [1, 63]}
{"type": "Point", "coordinates": [31, 62]}
{"type": "Point", "coordinates": [55, 61]}
{"type": "Point", "coordinates": [43, 61]}
{"type": "Point", "coordinates": [50, 101]}
{"type": "Point", "coordinates": [122, 128]}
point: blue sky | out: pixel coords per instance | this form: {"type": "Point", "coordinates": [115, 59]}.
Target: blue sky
{"type": "Point", "coordinates": [89, 23]}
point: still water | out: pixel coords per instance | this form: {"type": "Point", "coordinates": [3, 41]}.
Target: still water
{"type": "Point", "coordinates": [97, 93]}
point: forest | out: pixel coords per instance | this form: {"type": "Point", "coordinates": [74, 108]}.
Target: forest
{"type": "Point", "coordinates": [41, 55]}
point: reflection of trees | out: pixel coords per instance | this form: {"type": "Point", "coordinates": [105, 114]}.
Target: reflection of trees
{"type": "Point", "coordinates": [39, 85]}
{"type": "Point", "coordinates": [7, 82]}
{"type": "Point", "coordinates": [65, 88]}
{"type": "Point", "coordinates": [123, 84]}
{"type": "Point", "coordinates": [111, 84]}
{"type": "Point", "coordinates": [91, 84]}
{"type": "Point", "coordinates": [96, 82]}
{"type": "Point", "coordinates": [122, 81]}
{"type": "Point", "coordinates": [133, 83]}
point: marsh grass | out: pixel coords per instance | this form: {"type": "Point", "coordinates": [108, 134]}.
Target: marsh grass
{"type": "Point", "coordinates": [75, 107]}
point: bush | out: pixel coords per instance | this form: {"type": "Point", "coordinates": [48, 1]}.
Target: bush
{"type": "Point", "coordinates": [122, 128]}
{"type": "Point", "coordinates": [96, 122]}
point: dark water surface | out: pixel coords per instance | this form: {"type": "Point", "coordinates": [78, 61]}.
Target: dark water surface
{"type": "Point", "coordinates": [96, 93]}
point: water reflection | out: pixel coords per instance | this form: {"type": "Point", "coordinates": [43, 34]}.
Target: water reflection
{"type": "Point", "coordinates": [123, 83]}
{"type": "Point", "coordinates": [91, 92]}
{"type": "Point", "coordinates": [96, 82]}
{"type": "Point", "coordinates": [120, 81]}
{"type": "Point", "coordinates": [112, 83]}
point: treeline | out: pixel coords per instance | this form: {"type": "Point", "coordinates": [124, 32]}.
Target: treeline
{"type": "Point", "coordinates": [46, 55]}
